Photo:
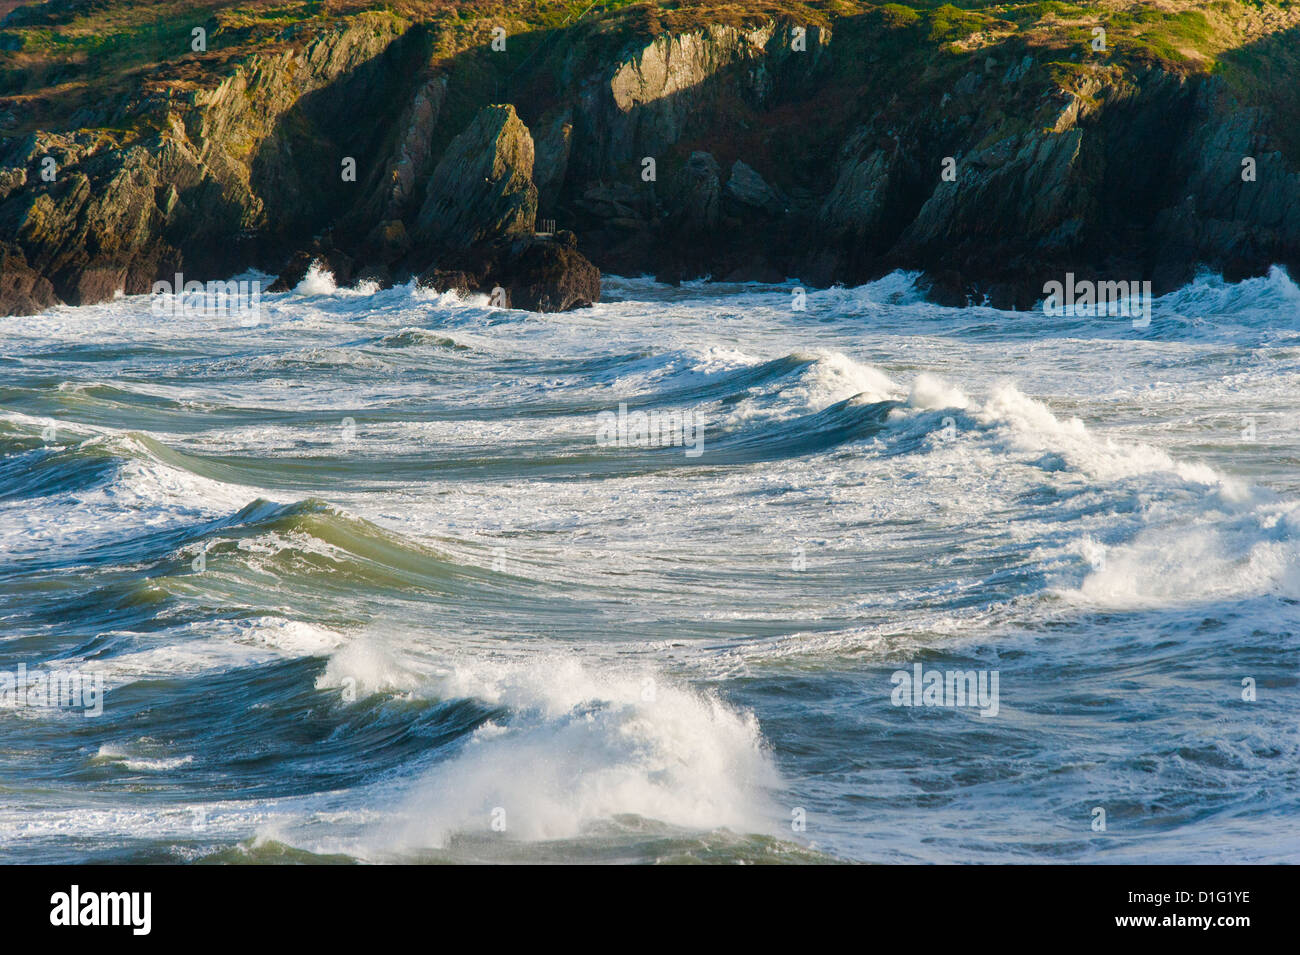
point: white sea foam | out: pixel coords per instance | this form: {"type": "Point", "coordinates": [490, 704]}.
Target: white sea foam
{"type": "Point", "coordinates": [138, 494]}
{"type": "Point", "coordinates": [121, 754]}
{"type": "Point", "coordinates": [188, 650]}
{"type": "Point", "coordinates": [319, 280]}
{"type": "Point", "coordinates": [1218, 557]}
{"type": "Point", "coordinates": [1031, 425]}
{"type": "Point", "coordinates": [931, 393]}
{"type": "Point", "coordinates": [1030, 473]}
{"type": "Point", "coordinates": [575, 747]}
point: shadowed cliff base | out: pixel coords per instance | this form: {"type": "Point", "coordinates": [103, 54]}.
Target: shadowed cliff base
{"type": "Point", "coordinates": [994, 147]}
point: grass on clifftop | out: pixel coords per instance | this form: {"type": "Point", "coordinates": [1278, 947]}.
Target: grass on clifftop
{"type": "Point", "coordinates": [59, 55]}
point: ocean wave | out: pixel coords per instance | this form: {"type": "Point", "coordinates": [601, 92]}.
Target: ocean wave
{"type": "Point", "coordinates": [96, 494]}
{"type": "Point", "coordinates": [1028, 424]}
{"type": "Point", "coordinates": [898, 288]}
{"type": "Point", "coordinates": [1206, 558]}
{"type": "Point", "coordinates": [307, 538]}
{"type": "Point", "coordinates": [748, 389]}
{"type": "Point", "coordinates": [319, 280]}
{"type": "Point", "coordinates": [311, 359]}
{"type": "Point", "coordinates": [317, 624]}
{"type": "Point", "coordinates": [1271, 301]}
{"type": "Point", "coordinates": [133, 759]}
{"type": "Point", "coordinates": [130, 466]}
{"type": "Point", "coordinates": [571, 748]}
{"type": "Point", "coordinates": [416, 337]}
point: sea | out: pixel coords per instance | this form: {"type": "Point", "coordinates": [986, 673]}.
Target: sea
{"type": "Point", "coordinates": [723, 573]}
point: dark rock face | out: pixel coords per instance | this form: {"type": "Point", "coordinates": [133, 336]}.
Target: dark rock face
{"type": "Point", "coordinates": [394, 184]}
{"type": "Point", "coordinates": [748, 188]}
{"type": "Point", "coordinates": [700, 193]}
{"type": "Point", "coordinates": [204, 179]}
{"type": "Point", "coordinates": [96, 283]}
{"type": "Point", "coordinates": [482, 188]}
{"type": "Point", "coordinates": [474, 232]}
{"type": "Point", "coordinates": [552, 161]}
{"type": "Point", "coordinates": [539, 275]}
{"type": "Point", "coordinates": [332, 260]}
{"type": "Point", "coordinates": [376, 275]}
{"type": "Point", "coordinates": [990, 170]}
{"type": "Point", "coordinates": [550, 277]}
{"type": "Point", "coordinates": [23, 291]}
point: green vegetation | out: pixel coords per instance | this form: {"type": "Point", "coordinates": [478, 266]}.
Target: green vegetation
{"type": "Point", "coordinates": [948, 24]}
{"type": "Point", "coordinates": [59, 56]}
{"type": "Point", "coordinates": [895, 15]}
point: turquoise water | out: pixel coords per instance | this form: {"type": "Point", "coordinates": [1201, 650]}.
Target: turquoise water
{"type": "Point", "coordinates": [367, 581]}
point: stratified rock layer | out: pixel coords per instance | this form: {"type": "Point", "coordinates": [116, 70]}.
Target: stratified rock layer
{"type": "Point", "coordinates": [482, 188]}
{"type": "Point", "coordinates": [742, 145]}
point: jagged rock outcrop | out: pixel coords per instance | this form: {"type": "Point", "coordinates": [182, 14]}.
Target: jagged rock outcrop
{"type": "Point", "coordinates": [412, 154]}
{"type": "Point", "coordinates": [482, 188]}
{"type": "Point", "coordinates": [748, 188]}
{"type": "Point", "coordinates": [478, 223]}
{"type": "Point", "coordinates": [536, 274]}
{"type": "Point", "coordinates": [395, 186]}
{"type": "Point", "coordinates": [190, 178]}
{"type": "Point", "coordinates": [23, 290]}
{"type": "Point", "coordinates": [337, 264]}
{"type": "Point", "coordinates": [1241, 199]}
{"type": "Point", "coordinates": [475, 231]}
{"type": "Point", "coordinates": [643, 103]}
{"type": "Point", "coordinates": [479, 219]}
{"type": "Point", "coordinates": [699, 193]}
{"type": "Point", "coordinates": [989, 153]}
{"type": "Point", "coordinates": [551, 164]}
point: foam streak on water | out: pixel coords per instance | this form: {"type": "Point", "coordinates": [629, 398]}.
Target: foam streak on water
{"type": "Point", "coordinates": [367, 581]}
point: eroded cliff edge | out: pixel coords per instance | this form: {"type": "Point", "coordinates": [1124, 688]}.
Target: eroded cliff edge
{"type": "Point", "coordinates": [993, 147]}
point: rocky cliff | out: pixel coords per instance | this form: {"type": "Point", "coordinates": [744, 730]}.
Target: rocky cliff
{"type": "Point", "coordinates": [992, 147]}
